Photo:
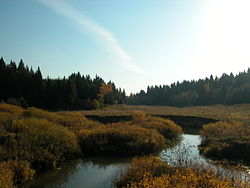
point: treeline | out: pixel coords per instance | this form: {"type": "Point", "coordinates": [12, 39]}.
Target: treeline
{"type": "Point", "coordinates": [21, 85]}
{"type": "Point", "coordinates": [228, 90]}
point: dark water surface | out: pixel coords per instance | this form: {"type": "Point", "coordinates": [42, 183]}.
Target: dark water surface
{"type": "Point", "coordinates": [100, 172]}
{"type": "Point", "coordinates": [81, 173]}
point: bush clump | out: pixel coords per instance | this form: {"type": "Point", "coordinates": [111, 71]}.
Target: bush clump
{"type": "Point", "coordinates": [226, 140]}
{"type": "Point", "coordinates": [15, 110]}
{"type": "Point", "coordinates": [167, 128]}
{"type": "Point", "coordinates": [6, 176]}
{"type": "Point", "coordinates": [138, 167]}
{"type": "Point", "coordinates": [120, 139]}
{"type": "Point", "coordinates": [75, 121]}
{"type": "Point", "coordinates": [14, 173]}
{"type": "Point", "coordinates": [9, 112]}
{"type": "Point", "coordinates": [38, 141]}
{"type": "Point", "coordinates": [151, 172]}
{"type": "Point", "coordinates": [41, 114]}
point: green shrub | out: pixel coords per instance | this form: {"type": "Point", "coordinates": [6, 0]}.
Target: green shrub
{"type": "Point", "coordinates": [120, 139]}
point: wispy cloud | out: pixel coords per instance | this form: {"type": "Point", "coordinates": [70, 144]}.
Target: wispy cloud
{"type": "Point", "coordinates": [64, 8]}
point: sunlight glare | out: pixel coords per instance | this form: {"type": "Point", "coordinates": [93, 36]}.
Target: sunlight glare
{"type": "Point", "coordinates": [225, 37]}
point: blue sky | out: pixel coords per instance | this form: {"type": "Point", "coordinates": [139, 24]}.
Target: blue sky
{"type": "Point", "coordinates": [134, 43]}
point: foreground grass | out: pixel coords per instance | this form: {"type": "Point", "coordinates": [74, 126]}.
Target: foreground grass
{"type": "Point", "coordinates": [229, 140]}
{"type": "Point", "coordinates": [33, 139]}
{"type": "Point", "coordinates": [239, 112]}
{"type": "Point", "coordinates": [151, 172]}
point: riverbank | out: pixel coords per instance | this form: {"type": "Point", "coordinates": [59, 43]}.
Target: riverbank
{"type": "Point", "coordinates": [226, 140]}
{"type": "Point", "coordinates": [35, 140]}
{"type": "Point", "coordinates": [95, 172]}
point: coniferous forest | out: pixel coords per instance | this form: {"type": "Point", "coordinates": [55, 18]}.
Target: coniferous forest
{"type": "Point", "coordinates": [227, 89]}
{"type": "Point", "coordinates": [21, 85]}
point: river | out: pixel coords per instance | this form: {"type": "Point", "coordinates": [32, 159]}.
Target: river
{"type": "Point", "coordinates": [100, 172]}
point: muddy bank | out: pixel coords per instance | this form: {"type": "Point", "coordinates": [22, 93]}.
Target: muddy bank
{"type": "Point", "coordinates": [184, 121]}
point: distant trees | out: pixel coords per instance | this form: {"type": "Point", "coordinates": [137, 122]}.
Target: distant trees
{"type": "Point", "coordinates": [228, 89]}
{"type": "Point", "coordinates": [21, 85]}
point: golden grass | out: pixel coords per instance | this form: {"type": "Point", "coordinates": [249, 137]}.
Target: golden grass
{"type": "Point", "coordinates": [226, 140]}
{"type": "Point", "coordinates": [185, 178]}
{"type": "Point", "coordinates": [239, 112]}
{"type": "Point", "coordinates": [151, 172]}
{"type": "Point", "coordinates": [11, 109]}
{"type": "Point", "coordinates": [165, 127]}
{"type": "Point", "coordinates": [6, 176]}
{"type": "Point", "coordinates": [13, 173]}
{"type": "Point", "coordinates": [38, 141]}
{"type": "Point", "coordinates": [75, 121]}
{"type": "Point", "coordinates": [120, 139]}
{"type": "Point", "coordinates": [41, 114]}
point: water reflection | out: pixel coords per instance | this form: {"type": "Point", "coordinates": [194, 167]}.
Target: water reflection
{"type": "Point", "coordinates": [87, 173]}
{"type": "Point", "coordinates": [186, 153]}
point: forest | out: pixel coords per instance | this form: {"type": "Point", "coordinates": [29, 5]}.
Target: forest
{"type": "Point", "coordinates": [227, 89]}
{"type": "Point", "coordinates": [21, 85]}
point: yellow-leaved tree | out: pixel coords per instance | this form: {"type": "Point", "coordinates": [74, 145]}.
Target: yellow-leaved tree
{"type": "Point", "coordinates": [105, 93]}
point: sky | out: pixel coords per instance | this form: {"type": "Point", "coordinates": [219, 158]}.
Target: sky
{"type": "Point", "coordinates": [134, 43]}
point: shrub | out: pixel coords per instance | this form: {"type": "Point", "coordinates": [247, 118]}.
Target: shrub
{"type": "Point", "coordinates": [151, 172]}
{"type": "Point", "coordinates": [139, 165]}
{"type": "Point", "coordinates": [138, 115]}
{"type": "Point", "coordinates": [41, 114]}
{"type": "Point", "coordinates": [120, 139]}
{"type": "Point", "coordinates": [89, 104]}
{"type": "Point", "coordinates": [38, 141]}
{"type": "Point", "coordinates": [75, 121]}
{"type": "Point", "coordinates": [6, 176]}
{"type": "Point", "coordinates": [167, 128]}
{"type": "Point", "coordinates": [14, 173]}
{"type": "Point", "coordinates": [229, 140]}
{"type": "Point", "coordinates": [184, 178]}
{"type": "Point", "coordinates": [5, 116]}
{"type": "Point", "coordinates": [11, 109]}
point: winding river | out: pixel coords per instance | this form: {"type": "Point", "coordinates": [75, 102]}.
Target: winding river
{"type": "Point", "coordinates": [100, 172]}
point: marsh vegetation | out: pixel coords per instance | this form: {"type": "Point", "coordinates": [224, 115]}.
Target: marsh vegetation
{"type": "Point", "coordinates": [33, 140]}
{"type": "Point", "coordinates": [226, 140]}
